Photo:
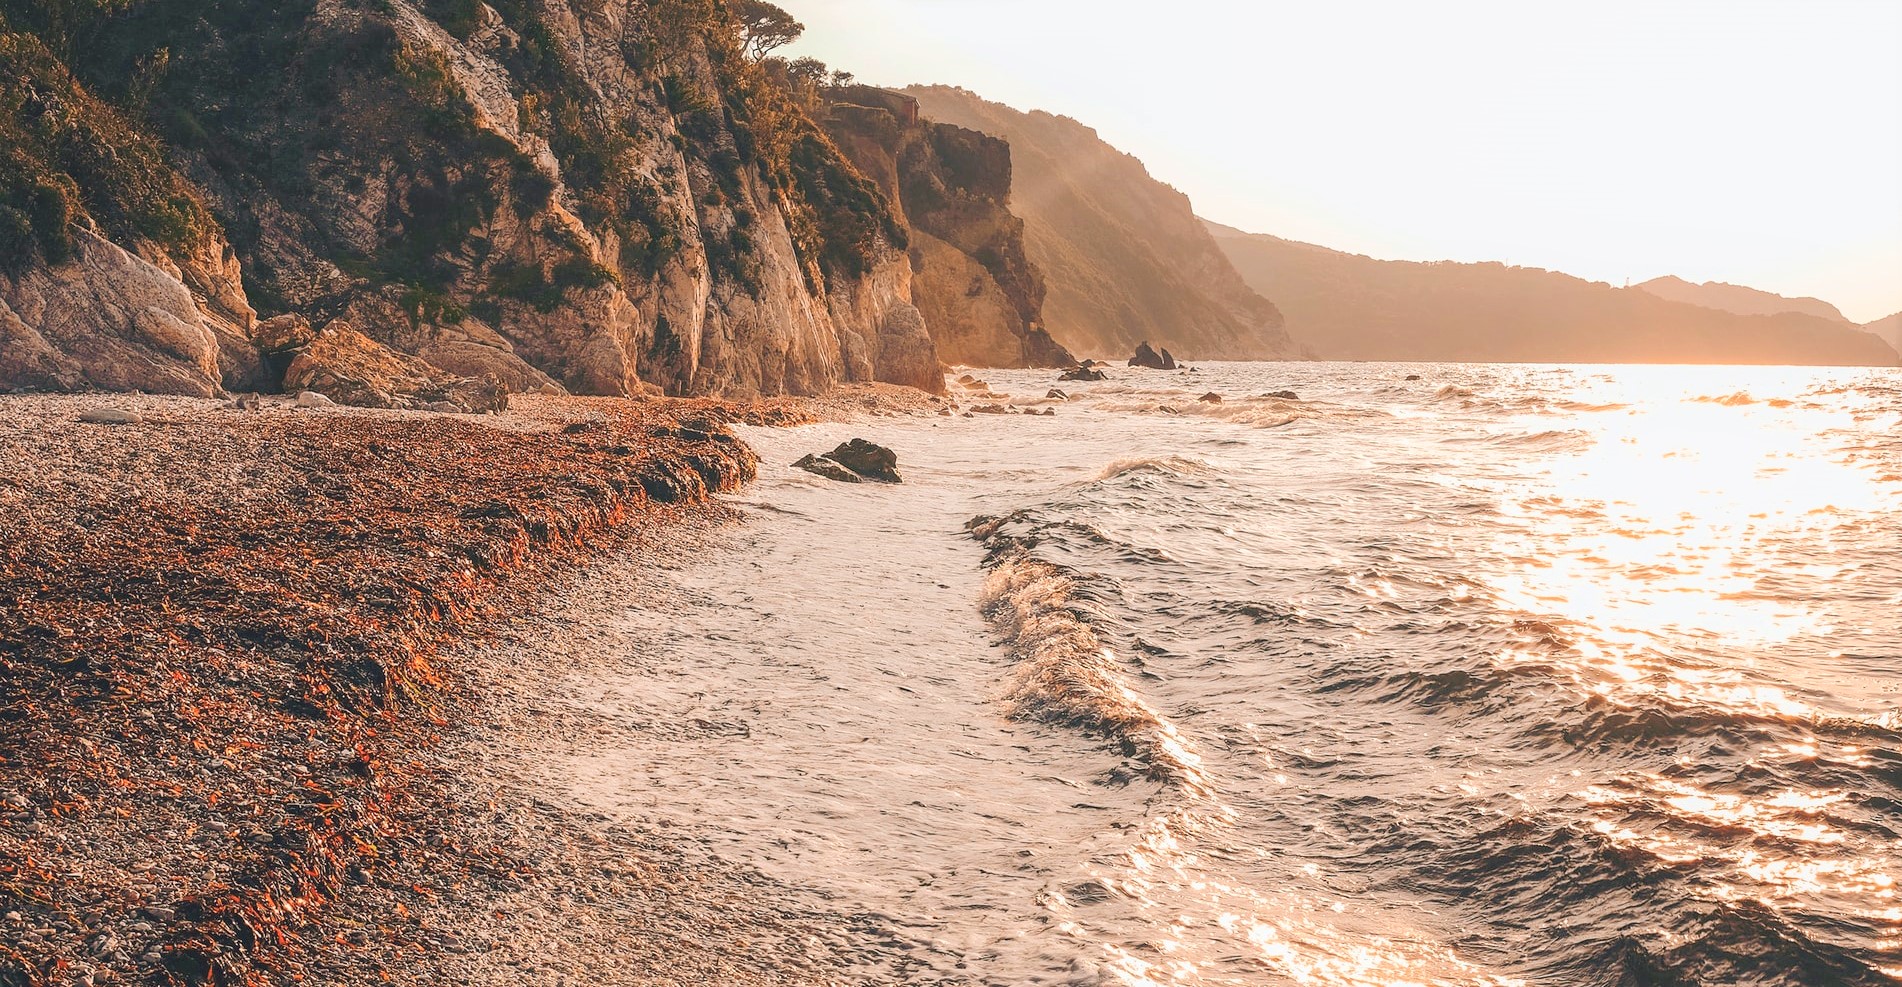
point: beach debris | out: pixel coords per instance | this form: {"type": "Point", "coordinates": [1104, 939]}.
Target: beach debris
{"type": "Point", "coordinates": [111, 416]}
{"type": "Point", "coordinates": [1210, 398]}
{"type": "Point", "coordinates": [210, 736]}
{"type": "Point", "coordinates": [1086, 374]}
{"type": "Point", "coordinates": [1147, 357]}
{"type": "Point", "coordinates": [991, 409]}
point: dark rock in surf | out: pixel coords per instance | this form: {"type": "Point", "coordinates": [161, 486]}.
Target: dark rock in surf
{"type": "Point", "coordinates": [1210, 398]}
{"type": "Point", "coordinates": [1283, 395]}
{"type": "Point", "coordinates": [1086, 374]}
{"type": "Point", "coordinates": [873, 462]}
{"type": "Point", "coordinates": [1413, 376]}
{"type": "Point", "coordinates": [1148, 357]}
{"type": "Point", "coordinates": [1056, 395]}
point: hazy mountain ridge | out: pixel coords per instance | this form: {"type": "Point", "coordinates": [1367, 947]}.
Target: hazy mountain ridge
{"type": "Point", "coordinates": [1123, 255]}
{"type": "Point", "coordinates": [1888, 328]}
{"type": "Point", "coordinates": [1738, 299]}
{"type": "Point", "coordinates": [608, 197]}
{"type": "Point", "coordinates": [1353, 307]}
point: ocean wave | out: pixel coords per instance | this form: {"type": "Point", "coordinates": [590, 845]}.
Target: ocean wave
{"type": "Point", "coordinates": [1065, 673]}
{"type": "Point", "coordinates": [1161, 465]}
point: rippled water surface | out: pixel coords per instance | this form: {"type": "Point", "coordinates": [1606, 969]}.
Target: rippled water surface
{"type": "Point", "coordinates": [1499, 675]}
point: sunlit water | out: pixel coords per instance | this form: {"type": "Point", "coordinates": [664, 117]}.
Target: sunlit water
{"type": "Point", "coordinates": [1501, 675]}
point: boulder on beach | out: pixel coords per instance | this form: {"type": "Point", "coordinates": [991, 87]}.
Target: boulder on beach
{"type": "Point", "coordinates": [351, 368]}
{"type": "Point", "coordinates": [1148, 357]}
{"type": "Point", "coordinates": [1086, 374]}
{"type": "Point", "coordinates": [854, 461]}
{"type": "Point", "coordinates": [991, 409]}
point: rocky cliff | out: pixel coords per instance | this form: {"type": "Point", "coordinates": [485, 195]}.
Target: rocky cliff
{"type": "Point", "coordinates": [610, 197]}
{"type": "Point", "coordinates": [971, 277]}
{"type": "Point", "coordinates": [1351, 307]}
{"type": "Point", "coordinates": [1123, 255]}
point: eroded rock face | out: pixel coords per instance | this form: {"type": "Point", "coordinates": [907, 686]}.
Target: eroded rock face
{"type": "Point", "coordinates": [519, 196]}
{"type": "Point", "coordinates": [105, 320]}
{"type": "Point", "coordinates": [972, 282]}
{"type": "Point", "coordinates": [348, 367]}
{"type": "Point", "coordinates": [1123, 255]}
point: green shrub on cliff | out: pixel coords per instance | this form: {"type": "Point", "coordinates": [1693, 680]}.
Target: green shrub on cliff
{"type": "Point", "coordinates": [67, 158]}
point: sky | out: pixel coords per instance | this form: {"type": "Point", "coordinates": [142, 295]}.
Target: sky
{"type": "Point", "coordinates": [1746, 141]}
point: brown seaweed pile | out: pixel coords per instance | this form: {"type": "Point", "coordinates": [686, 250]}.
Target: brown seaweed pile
{"type": "Point", "coordinates": [220, 650]}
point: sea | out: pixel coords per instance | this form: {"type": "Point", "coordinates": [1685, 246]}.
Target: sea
{"type": "Point", "coordinates": [1309, 673]}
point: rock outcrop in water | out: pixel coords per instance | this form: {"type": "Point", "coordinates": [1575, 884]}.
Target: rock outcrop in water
{"type": "Point", "coordinates": [971, 278]}
{"type": "Point", "coordinates": [609, 197]}
{"type": "Point", "coordinates": [853, 462]}
{"type": "Point", "coordinates": [1351, 307]}
{"type": "Point", "coordinates": [1123, 255]}
{"type": "Point", "coordinates": [1146, 356]}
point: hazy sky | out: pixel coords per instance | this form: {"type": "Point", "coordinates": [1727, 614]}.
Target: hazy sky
{"type": "Point", "coordinates": [1747, 141]}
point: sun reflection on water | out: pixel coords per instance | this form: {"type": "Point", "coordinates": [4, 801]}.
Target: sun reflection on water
{"type": "Point", "coordinates": [1672, 518]}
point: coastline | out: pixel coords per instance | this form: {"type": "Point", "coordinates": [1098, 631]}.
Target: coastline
{"type": "Point", "coordinates": [242, 711]}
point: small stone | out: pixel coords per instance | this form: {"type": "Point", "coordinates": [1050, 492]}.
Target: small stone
{"type": "Point", "coordinates": [111, 416]}
{"type": "Point", "coordinates": [312, 399]}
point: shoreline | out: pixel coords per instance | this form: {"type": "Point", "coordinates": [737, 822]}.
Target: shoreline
{"type": "Point", "coordinates": [238, 649]}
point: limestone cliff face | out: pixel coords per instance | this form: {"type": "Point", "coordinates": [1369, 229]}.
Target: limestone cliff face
{"type": "Point", "coordinates": [1124, 256]}
{"type": "Point", "coordinates": [972, 280]}
{"type": "Point", "coordinates": [605, 196]}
